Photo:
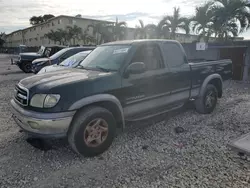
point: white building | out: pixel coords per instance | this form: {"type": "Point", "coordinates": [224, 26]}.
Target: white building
{"type": "Point", "coordinates": [34, 35]}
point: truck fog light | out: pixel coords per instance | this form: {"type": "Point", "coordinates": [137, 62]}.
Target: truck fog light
{"type": "Point", "coordinates": [33, 124]}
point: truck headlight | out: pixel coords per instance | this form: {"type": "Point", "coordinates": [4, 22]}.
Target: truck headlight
{"type": "Point", "coordinates": [44, 100]}
{"type": "Point", "coordinates": [51, 100]}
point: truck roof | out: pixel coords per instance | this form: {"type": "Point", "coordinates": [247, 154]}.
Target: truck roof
{"type": "Point", "coordinates": [130, 42]}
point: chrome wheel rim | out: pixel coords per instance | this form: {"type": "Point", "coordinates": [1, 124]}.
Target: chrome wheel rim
{"type": "Point", "coordinates": [96, 132]}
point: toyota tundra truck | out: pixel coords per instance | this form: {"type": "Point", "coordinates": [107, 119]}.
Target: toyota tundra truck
{"type": "Point", "coordinates": [118, 82]}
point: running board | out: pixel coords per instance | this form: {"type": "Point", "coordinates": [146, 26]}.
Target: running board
{"type": "Point", "coordinates": [151, 115]}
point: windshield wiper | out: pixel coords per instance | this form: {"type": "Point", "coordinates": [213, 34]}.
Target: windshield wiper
{"type": "Point", "coordinates": [104, 69]}
{"type": "Point", "coordinates": [82, 67]}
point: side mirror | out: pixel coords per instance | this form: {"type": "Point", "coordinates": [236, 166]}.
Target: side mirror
{"type": "Point", "coordinates": [136, 68]}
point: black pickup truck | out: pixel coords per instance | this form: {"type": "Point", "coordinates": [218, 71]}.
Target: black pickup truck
{"type": "Point", "coordinates": [24, 60]}
{"type": "Point", "coordinates": [117, 82]}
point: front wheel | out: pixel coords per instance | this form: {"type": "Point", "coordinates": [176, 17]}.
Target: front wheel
{"type": "Point", "coordinates": [26, 67]}
{"type": "Point", "coordinates": [92, 131]}
{"type": "Point", "coordinates": [206, 103]}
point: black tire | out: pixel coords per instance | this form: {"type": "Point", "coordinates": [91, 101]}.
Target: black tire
{"type": "Point", "coordinates": [79, 124]}
{"type": "Point", "coordinates": [26, 67]}
{"type": "Point", "coordinates": [200, 103]}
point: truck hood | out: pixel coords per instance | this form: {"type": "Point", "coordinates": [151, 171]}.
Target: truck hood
{"type": "Point", "coordinates": [50, 80]}
{"type": "Point", "coordinates": [52, 68]}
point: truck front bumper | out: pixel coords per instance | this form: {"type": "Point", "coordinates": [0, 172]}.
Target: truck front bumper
{"type": "Point", "coordinates": [49, 125]}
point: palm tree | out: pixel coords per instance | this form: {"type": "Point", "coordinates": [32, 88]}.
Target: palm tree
{"type": "Point", "coordinates": [63, 35]}
{"type": "Point", "coordinates": [51, 36]}
{"type": "Point", "coordinates": [222, 32]}
{"type": "Point", "coordinates": [119, 30]}
{"type": "Point", "coordinates": [202, 19]}
{"type": "Point", "coordinates": [102, 32]}
{"type": "Point", "coordinates": [59, 36]}
{"type": "Point", "coordinates": [141, 30]}
{"type": "Point", "coordinates": [186, 25]}
{"type": "Point", "coordinates": [74, 33]}
{"type": "Point", "coordinates": [87, 38]}
{"type": "Point", "coordinates": [152, 31]}
{"type": "Point", "coordinates": [228, 31]}
{"type": "Point", "coordinates": [227, 11]}
{"type": "Point", "coordinates": [175, 22]}
{"type": "Point", "coordinates": [158, 31]}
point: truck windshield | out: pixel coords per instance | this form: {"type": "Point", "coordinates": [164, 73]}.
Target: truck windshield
{"type": "Point", "coordinates": [106, 57]}
{"type": "Point", "coordinates": [74, 60]}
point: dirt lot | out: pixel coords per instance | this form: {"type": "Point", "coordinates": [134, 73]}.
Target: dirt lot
{"type": "Point", "coordinates": [148, 155]}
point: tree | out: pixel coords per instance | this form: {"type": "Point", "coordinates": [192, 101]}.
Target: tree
{"type": "Point", "coordinates": [202, 20]}
{"type": "Point", "coordinates": [34, 20]}
{"type": "Point", "coordinates": [78, 16]}
{"type": "Point", "coordinates": [222, 32]}
{"type": "Point", "coordinates": [157, 31]}
{"type": "Point", "coordinates": [175, 22]}
{"type": "Point", "coordinates": [2, 39]}
{"type": "Point", "coordinates": [152, 31]}
{"type": "Point", "coordinates": [56, 36]}
{"type": "Point", "coordinates": [119, 30]}
{"type": "Point", "coordinates": [46, 17]}
{"type": "Point", "coordinates": [227, 11]}
{"type": "Point", "coordinates": [102, 32]}
{"type": "Point", "coordinates": [186, 25]}
{"type": "Point", "coordinates": [51, 36]}
{"type": "Point", "coordinates": [62, 36]}
{"type": "Point", "coordinates": [141, 30]}
{"type": "Point", "coordinates": [87, 38]}
{"type": "Point", "coordinates": [74, 33]}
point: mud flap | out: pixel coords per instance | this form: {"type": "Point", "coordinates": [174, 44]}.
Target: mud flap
{"type": "Point", "coordinates": [241, 144]}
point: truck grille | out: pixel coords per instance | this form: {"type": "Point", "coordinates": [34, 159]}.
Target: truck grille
{"type": "Point", "coordinates": [21, 95]}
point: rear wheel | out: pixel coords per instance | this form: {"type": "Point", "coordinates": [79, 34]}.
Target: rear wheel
{"type": "Point", "coordinates": [207, 102]}
{"type": "Point", "coordinates": [26, 67]}
{"type": "Point", "coordinates": [92, 131]}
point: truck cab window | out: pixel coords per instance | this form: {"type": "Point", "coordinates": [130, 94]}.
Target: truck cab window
{"type": "Point", "coordinates": [150, 55]}
{"type": "Point", "coordinates": [173, 55]}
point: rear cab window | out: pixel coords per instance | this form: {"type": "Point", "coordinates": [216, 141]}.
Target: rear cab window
{"type": "Point", "coordinates": [173, 55]}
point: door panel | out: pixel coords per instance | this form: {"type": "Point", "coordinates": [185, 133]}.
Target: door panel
{"type": "Point", "coordinates": [180, 72]}
{"type": "Point", "coordinates": [142, 89]}
{"type": "Point", "coordinates": [145, 86]}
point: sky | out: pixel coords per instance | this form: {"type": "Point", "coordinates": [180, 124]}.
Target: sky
{"type": "Point", "coordinates": [15, 14]}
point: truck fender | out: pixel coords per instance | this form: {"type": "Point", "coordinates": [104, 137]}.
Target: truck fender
{"type": "Point", "coordinates": [207, 80]}
{"type": "Point", "coordinates": [101, 98]}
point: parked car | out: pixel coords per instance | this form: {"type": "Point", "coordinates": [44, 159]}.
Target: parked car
{"type": "Point", "coordinates": [57, 58]}
{"type": "Point", "coordinates": [24, 60]}
{"type": "Point", "coordinates": [70, 62]}
{"type": "Point", "coordinates": [19, 49]}
{"type": "Point", "coordinates": [117, 82]}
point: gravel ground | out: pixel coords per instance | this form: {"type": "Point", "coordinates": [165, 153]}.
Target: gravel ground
{"type": "Point", "coordinates": [150, 154]}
